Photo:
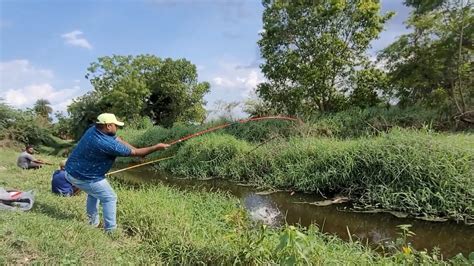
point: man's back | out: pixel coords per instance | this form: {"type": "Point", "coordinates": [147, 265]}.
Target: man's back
{"type": "Point", "coordinates": [60, 185]}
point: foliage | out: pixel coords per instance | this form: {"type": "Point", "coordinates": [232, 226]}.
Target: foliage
{"type": "Point", "coordinates": [83, 112]}
{"type": "Point", "coordinates": [422, 6]}
{"type": "Point", "coordinates": [23, 126]}
{"type": "Point", "coordinates": [62, 127]}
{"type": "Point", "coordinates": [261, 131]}
{"type": "Point", "coordinates": [433, 63]}
{"type": "Point", "coordinates": [208, 155]}
{"type": "Point", "coordinates": [224, 110]}
{"type": "Point", "coordinates": [140, 123]}
{"type": "Point", "coordinates": [357, 122]}
{"type": "Point", "coordinates": [366, 84]}
{"type": "Point", "coordinates": [257, 107]}
{"type": "Point", "coordinates": [176, 95]}
{"type": "Point", "coordinates": [42, 108]}
{"type": "Point", "coordinates": [421, 173]}
{"type": "Point", "coordinates": [165, 90]}
{"type": "Point", "coordinates": [312, 48]}
{"type": "Point", "coordinates": [7, 115]}
{"type": "Point", "coordinates": [161, 225]}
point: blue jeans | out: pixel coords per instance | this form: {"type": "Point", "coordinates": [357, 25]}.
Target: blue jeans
{"type": "Point", "coordinates": [98, 191]}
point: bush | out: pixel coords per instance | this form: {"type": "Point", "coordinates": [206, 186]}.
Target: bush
{"type": "Point", "coordinates": [25, 127]}
{"type": "Point", "coordinates": [358, 122]}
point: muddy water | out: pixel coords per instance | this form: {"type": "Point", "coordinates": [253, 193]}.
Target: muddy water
{"type": "Point", "coordinates": [276, 208]}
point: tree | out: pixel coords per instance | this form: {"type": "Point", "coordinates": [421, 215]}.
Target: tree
{"type": "Point", "coordinates": [312, 48]}
{"type": "Point", "coordinates": [42, 108]}
{"type": "Point", "coordinates": [422, 6]}
{"type": "Point", "coordinates": [7, 116]}
{"type": "Point", "coordinates": [435, 59]}
{"type": "Point", "coordinates": [22, 126]}
{"type": "Point", "coordinates": [83, 111]}
{"type": "Point", "coordinates": [225, 110]}
{"type": "Point", "coordinates": [62, 128]}
{"type": "Point", "coordinates": [257, 107]}
{"type": "Point", "coordinates": [166, 90]}
{"type": "Point", "coordinates": [175, 94]}
{"type": "Point", "coordinates": [367, 83]}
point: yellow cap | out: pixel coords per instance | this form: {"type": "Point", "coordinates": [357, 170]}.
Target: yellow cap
{"type": "Point", "coordinates": [107, 118]}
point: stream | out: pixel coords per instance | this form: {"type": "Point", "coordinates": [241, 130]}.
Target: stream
{"type": "Point", "coordinates": [276, 208]}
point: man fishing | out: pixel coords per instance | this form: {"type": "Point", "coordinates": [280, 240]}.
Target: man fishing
{"type": "Point", "coordinates": [26, 160]}
{"type": "Point", "coordinates": [92, 158]}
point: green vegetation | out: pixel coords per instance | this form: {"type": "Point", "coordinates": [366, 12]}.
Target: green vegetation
{"type": "Point", "coordinates": [22, 126]}
{"type": "Point", "coordinates": [164, 90]}
{"type": "Point", "coordinates": [375, 131]}
{"type": "Point", "coordinates": [366, 122]}
{"type": "Point", "coordinates": [163, 225]}
{"type": "Point", "coordinates": [316, 60]}
{"type": "Point", "coordinates": [419, 172]}
{"type": "Point", "coordinates": [433, 63]}
{"type": "Point", "coordinates": [312, 52]}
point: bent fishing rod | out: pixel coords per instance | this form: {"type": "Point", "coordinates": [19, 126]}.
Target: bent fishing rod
{"type": "Point", "coordinates": [241, 121]}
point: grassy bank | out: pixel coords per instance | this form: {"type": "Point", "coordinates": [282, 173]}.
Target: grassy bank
{"type": "Point", "coordinates": [163, 225]}
{"type": "Point", "coordinates": [418, 172]}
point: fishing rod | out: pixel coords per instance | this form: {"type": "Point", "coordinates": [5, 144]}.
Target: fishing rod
{"type": "Point", "coordinates": [138, 165]}
{"type": "Point", "coordinates": [241, 121]}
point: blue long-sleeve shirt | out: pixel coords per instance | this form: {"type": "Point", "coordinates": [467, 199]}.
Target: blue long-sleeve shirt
{"type": "Point", "coordinates": [94, 155]}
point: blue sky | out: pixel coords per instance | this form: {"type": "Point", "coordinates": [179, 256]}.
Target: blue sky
{"type": "Point", "coordinates": [47, 45]}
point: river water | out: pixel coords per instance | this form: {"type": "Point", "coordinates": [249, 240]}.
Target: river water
{"type": "Point", "coordinates": [276, 208]}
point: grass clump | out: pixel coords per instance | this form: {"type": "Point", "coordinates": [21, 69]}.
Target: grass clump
{"type": "Point", "coordinates": [208, 155]}
{"type": "Point", "coordinates": [357, 122]}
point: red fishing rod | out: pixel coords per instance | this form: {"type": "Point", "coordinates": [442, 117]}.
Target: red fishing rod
{"type": "Point", "coordinates": [241, 121]}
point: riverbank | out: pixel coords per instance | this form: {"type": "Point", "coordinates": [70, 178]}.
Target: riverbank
{"type": "Point", "coordinates": [164, 225]}
{"type": "Point", "coordinates": [418, 172]}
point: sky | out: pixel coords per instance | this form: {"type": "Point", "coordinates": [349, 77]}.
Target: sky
{"type": "Point", "coordinates": [47, 45]}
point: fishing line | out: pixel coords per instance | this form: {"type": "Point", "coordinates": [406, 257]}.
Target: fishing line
{"type": "Point", "coordinates": [241, 121]}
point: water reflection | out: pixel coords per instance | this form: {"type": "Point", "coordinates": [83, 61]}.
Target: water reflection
{"type": "Point", "coordinates": [276, 208]}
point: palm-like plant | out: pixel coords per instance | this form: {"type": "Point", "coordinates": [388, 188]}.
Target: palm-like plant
{"type": "Point", "coordinates": [42, 108]}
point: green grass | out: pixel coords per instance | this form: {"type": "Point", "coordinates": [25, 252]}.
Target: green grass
{"type": "Point", "coordinates": [422, 173]}
{"type": "Point", "coordinates": [162, 225]}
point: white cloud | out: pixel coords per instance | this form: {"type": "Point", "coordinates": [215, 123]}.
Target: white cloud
{"type": "Point", "coordinates": [75, 38]}
{"type": "Point", "coordinates": [20, 73]}
{"type": "Point", "coordinates": [21, 84]}
{"type": "Point", "coordinates": [223, 82]}
{"type": "Point", "coordinates": [233, 81]}
{"type": "Point", "coordinates": [28, 94]}
{"type": "Point", "coordinates": [235, 78]}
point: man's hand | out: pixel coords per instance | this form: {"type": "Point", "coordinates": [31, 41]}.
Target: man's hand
{"type": "Point", "coordinates": [162, 146]}
{"type": "Point", "coordinates": [39, 161]}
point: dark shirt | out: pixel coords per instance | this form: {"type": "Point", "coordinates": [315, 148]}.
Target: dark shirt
{"type": "Point", "coordinates": [94, 155]}
{"type": "Point", "coordinates": [60, 185]}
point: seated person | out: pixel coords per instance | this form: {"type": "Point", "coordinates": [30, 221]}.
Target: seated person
{"type": "Point", "coordinates": [59, 184]}
{"type": "Point", "coordinates": [27, 161]}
